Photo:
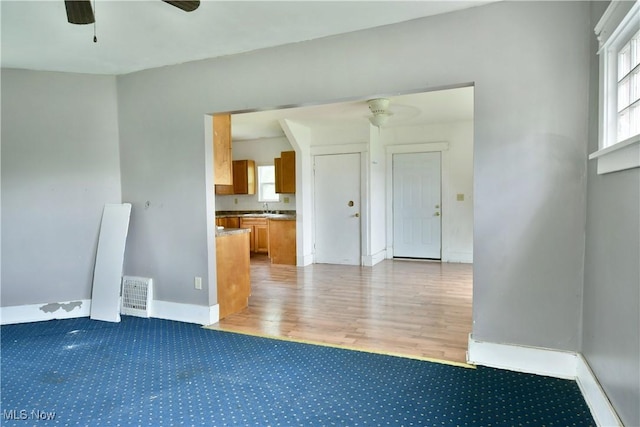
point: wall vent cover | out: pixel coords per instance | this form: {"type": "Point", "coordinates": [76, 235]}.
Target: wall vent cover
{"type": "Point", "coordinates": [137, 294]}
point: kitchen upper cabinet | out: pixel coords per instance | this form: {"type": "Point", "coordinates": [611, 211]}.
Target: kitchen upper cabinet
{"type": "Point", "coordinates": [244, 179]}
{"type": "Point", "coordinates": [223, 173]}
{"type": "Point", "coordinates": [277, 163]}
{"type": "Point", "coordinates": [285, 167]}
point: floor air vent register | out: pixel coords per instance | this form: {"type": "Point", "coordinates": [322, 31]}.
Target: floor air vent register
{"type": "Point", "coordinates": [137, 294]}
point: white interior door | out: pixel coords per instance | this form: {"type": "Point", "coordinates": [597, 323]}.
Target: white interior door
{"type": "Point", "coordinates": [337, 208]}
{"type": "Point", "coordinates": [417, 205]}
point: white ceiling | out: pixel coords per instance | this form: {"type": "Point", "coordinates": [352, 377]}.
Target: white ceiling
{"type": "Point", "coordinates": [135, 35]}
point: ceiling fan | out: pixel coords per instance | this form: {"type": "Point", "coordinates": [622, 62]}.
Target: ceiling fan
{"type": "Point", "coordinates": [80, 11]}
{"type": "Point", "coordinates": [381, 111]}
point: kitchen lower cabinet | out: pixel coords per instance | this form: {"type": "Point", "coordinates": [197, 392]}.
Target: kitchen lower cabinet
{"type": "Point", "coordinates": [228, 221]}
{"type": "Point", "coordinates": [282, 241]}
{"type": "Point", "coordinates": [259, 240]}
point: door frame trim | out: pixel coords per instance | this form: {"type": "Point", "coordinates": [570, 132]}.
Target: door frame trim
{"type": "Point", "coordinates": [328, 150]}
{"type": "Point", "coordinates": [425, 147]}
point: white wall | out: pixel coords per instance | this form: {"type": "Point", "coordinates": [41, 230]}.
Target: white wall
{"type": "Point", "coordinates": [377, 192]}
{"type": "Point", "coordinates": [457, 220]}
{"type": "Point", "coordinates": [262, 151]}
{"type": "Point", "coordinates": [529, 136]}
{"type": "Point", "coordinates": [60, 165]}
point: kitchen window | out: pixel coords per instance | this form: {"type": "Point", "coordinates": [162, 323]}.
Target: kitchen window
{"type": "Point", "coordinates": [267, 184]}
{"type": "Point", "coordinates": [618, 33]}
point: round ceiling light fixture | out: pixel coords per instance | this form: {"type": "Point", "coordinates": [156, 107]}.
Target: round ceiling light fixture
{"type": "Point", "coordinates": [379, 108]}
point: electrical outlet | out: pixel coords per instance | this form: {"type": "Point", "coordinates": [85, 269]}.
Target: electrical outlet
{"type": "Point", "coordinates": [235, 201]}
{"type": "Point", "coordinates": [460, 197]}
{"type": "Point", "coordinates": [197, 282]}
{"type": "Point", "coordinates": [286, 200]}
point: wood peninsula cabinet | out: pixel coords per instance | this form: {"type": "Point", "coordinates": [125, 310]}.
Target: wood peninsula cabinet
{"type": "Point", "coordinates": [222, 167]}
{"type": "Point", "coordinates": [244, 179]}
{"type": "Point", "coordinates": [282, 241]}
{"type": "Point", "coordinates": [259, 239]}
{"type": "Point", "coordinates": [285, 167]}
{"type": "Point", "coordinates": [232, 271]}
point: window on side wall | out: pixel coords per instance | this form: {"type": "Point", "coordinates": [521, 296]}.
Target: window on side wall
{"type": "Point", "coordinates": [629, 89]}
{"type": "Point", "coordinates": [618, 33]}
{"type": "Point", "coordinates": [267, 184]}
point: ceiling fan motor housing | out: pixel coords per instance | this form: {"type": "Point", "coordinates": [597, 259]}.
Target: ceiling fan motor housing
{"type": "Point", "coordinates": [378, 106]}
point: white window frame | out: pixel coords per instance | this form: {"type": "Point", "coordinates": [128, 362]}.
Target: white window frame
{"type": "Point", "coordinates": [261, 199]}
{"type": "Point", "coordinates": [618, 24]}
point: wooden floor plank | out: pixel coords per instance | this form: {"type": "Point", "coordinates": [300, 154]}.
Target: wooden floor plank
{"type": "Point", "coordinates": [419, 309]}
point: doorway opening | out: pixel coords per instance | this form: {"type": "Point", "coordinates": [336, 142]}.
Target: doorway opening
{"type": "Point", "coordinates": [328, 134]}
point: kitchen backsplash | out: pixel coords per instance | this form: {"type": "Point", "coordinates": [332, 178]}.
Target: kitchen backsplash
{"type": "Point", "coordinates": [250, 203]}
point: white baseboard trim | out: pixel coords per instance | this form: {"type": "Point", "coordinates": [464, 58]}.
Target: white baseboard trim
{"type": "Point", "coordinates": [601, 409]}
{"type": "Point", "coordinates": [461, 257]}
{"type": "Point", "coordinates": [188, 313]}
{"type": "Point", "coordinates": [304, 260]}
{"type": "Point", "coordinates": [371, 260]}
{"type": "Point", "coordinates": [82, 308]}
{"type": "Point", "coordinates": [532, 360]}
{"type": "Point", "coordinates": [551, 363]}
{"type": "Point", "coordinates": [45, 311]}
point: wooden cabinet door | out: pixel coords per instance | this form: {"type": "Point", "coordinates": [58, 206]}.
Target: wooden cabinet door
{"type": "Point", "coordinates": [261, 235]}
{"type": "Point", "coordinates": [233, 273]}
{"type": "Point", "coordinates": [288, 184]}
{"type": "Point", "coordinates": [285, 167]}
{"type": "Point", "coordinates": [222, 170]}
{"type": "Point", "coordinates": [244, 177]}
{"type": "Point", "coordinates": [248, 223]}
{"type": "Point", "coordinates": [228, 222]}
{"type": "Point", "coordinates": [277, 163]}
{"type": "Point", "coordinates": [282, 242]}
{"type": "Point", "coordinates": [233, 222]}
{"type": "Point", "coordinates": [259, 240]}
{"type": "Point", "coordinates": [224, 190]}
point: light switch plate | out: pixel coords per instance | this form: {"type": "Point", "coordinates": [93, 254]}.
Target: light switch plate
{"type": "Point", "coordinates": [460, 197]}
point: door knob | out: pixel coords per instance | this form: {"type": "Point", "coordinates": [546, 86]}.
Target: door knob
{"type": "Point", "coordinates": [357, 215]}
{"type": "Point", "coordinates": [437, 214]}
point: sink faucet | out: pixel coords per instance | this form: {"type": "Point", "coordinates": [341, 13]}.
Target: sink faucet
{"type": "Point", "coordinates": [265, 207]}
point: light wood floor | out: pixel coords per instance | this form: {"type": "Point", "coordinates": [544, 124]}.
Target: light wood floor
{"type": "Point", "coordinates": [414, 308]}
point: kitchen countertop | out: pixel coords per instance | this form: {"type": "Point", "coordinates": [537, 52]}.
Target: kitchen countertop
{"type": "Point", "coordinates": [221, 231]}
{"type": "Point", "coordinates": [280, 215]}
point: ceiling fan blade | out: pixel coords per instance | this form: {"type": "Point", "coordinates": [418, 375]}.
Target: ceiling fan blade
{"type": "Point", "coordinates": [79, 11]}
{"type": "Point", "coordinates": [187, 6]}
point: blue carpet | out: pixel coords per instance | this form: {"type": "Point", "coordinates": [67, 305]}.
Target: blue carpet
{"type": "Point", "coordinates": [151, 372]}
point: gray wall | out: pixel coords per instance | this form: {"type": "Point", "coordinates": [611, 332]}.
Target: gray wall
{"type": "Point", "coordinates": [530, 65]}
{"type": "Point", "coordinates": [60, 165]}
{"type": "Point", "coordinates": [611, 320]}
